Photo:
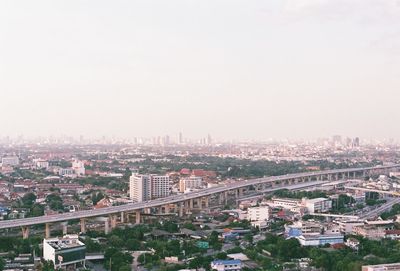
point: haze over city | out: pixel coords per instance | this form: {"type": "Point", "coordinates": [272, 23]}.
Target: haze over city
{"type": "Point", "coordinates": [188, 135]}
{"type": "Point", "coordinates": [233, 69]}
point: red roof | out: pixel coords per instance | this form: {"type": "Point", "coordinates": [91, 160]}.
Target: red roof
{"type": "Point", "coordinates": [338, 246]}
{"type": "Point", "coordinates": [392, 232]}
{"type": "Point", "coordinates": [185, 171]}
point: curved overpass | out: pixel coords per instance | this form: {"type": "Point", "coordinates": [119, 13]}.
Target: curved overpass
{"type": "Point", "coordinates": [273, 180]}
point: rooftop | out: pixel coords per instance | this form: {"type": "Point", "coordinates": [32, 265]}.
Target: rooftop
{"type": "Point", "coordinates": [226, 262]}
{"type": "Point", "coordinates": [68, 241]}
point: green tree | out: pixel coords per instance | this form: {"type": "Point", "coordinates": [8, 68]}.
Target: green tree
{"type": "Point", "coordinates": [115, 241]}
{"type": "Point", "coordinates": [2, 264]}
{"type": "Point", "coordinates": [213, 237]}
{"type": "Point", "coordinates": [125, 267]}
{"type": "Point", "coordinates": [55, 202]}
{"type": "Point", "coordinates": [28, 199]}
{"type": "Point", "coordinates": [37, 210]}
{"type": "Point", "coordinates": [97, 196]}
{"type": "Point", "coordinates": [133, 244]}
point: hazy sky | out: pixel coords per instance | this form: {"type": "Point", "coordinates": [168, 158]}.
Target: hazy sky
{"type": "Point", "coordinates": [234, 69]}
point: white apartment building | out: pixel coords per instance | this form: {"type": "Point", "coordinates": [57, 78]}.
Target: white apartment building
{"type": "Point", "coordinates": [285, 203]}
{"type": "Point", "coordinates": [42, 164]}
{"type": "Point", "coordinates": [318, 205]}
{"type": "Point", "coordinates": [190, 183]}
{"type": "Point", "coordinates": [147, 187]}
{"type": "Point", "coordinates": [261, 213]}
{"type": "Point", "coordinates": [10, 161]}
{"type": "Point", "coordinates": [139, 188]}
{"type": "Point", "coordinates": [78, 167]}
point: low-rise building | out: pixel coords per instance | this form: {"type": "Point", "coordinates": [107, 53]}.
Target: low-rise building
{"type": "Point", "coordinates": [42, 164]}
{"type": "Point", "coordinates": [193, 182]}
{"type": "Point", "coordinates": [346, 226]}
{"type": "Point", "coordinates": [352, 243]}
{"type": "Point", "coordinates": [381, 267]}
{"type": "Point", "coordinates": [318, 205]}
{"type": "Point", "coordinates": [10, 161]}
{"type": "Point", "coordinates": [226, 265]}
{"type": "Point", "coordinates": [374, 230]}
{"type": "Point", "coordinates": [303, 228]}
{"type": "Point", "coordinates": [320, 240]}
{"type": "Point", "coordinates": [285, 203]}
{"type": "Point", "coordinates": [65, 251]}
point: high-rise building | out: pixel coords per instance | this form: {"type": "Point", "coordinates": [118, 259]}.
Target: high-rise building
{"type": "Point", "coordinates": [337, 139]}
{"type": "Point", "coordinates": [159, 186]}
{"type": "Point", "coordinates": [356, 142]}
{"type": "Point", "coordinates": [209, 140]}
{"type": "Point", "coordinates": [139, 189]}
{"type": "Point", "coordinates": [147, 187]}
{"type": "Point", "coordinates": [180, 139]}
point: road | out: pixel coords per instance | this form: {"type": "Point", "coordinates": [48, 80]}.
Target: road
{"type": "Point", "coordinates": [176, 198]}
{"type": "Point", "coordinates": [382, 208]}
{"type": "Point", "coordinates": [260, 194]}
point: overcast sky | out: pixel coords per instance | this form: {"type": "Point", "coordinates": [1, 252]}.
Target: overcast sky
{"type": "Point", "coordinates": [234, 69]}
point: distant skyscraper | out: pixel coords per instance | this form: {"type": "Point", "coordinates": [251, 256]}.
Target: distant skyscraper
{"type": "Point", "coordinates": [209, 140]}
{"type": "Point", "coordinates": [349, 142]}
{"type": "Point", "coordinates": [165, 140]}
{"type": "Point", "coordinates": [337, 139]}
{"type": "Point", "coordinates": [356, 142]}
{"type": "Point", "coordinates": [180, 139]}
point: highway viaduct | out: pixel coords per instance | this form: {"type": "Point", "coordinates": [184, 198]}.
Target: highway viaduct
{"type": "Point", "coordinates": [183, 203]}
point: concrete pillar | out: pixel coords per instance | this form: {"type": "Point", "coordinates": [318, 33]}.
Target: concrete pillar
{"type": "Point", "coordinates": [354, 175]}
{"type": "Point", "coordinates": [113, 221]}
{"type": "Point", "coordinates": [220, 198]}
{"type": "Point", "coordinates": [107, 226]}
{"type": "Point", "coordinates": [137, 216]}
{"type": "Point", "coordinates": [181, 209]}
{"type": "Point", "coordinates": [47, 230]}
{"type": "Point", "coordinates": [83, 225]}
{"type": "Point", "coordinates": [191, 204]}
{"type": "Point", "coordinates": [166, 209]}
{"type": "Point", "coordinates": [240, 190]}
{"type": "Point", "coordinates": [206, 199]}
{"type": "Point", "coordinates": [122, 217]}
{"type": "Point", "coordinates": [25, 232]}
{"type": "Point", "coordinates": [65, 227]}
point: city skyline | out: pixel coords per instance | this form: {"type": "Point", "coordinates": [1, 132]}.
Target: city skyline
{"type": "Point", "coordinates": [235, 70]}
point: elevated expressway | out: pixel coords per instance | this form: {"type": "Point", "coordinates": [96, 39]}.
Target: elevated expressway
{"type": "Point", "coordinates": [188, 201]}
